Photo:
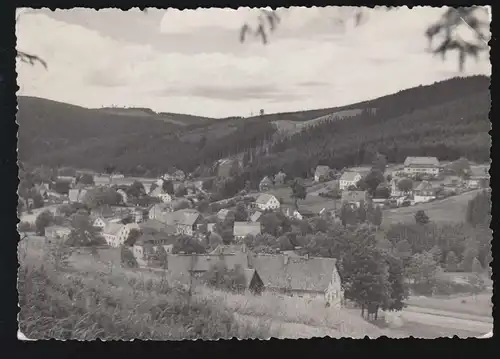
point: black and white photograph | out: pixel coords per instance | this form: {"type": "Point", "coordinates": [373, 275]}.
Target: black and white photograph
{"type": "Point", "coordinates": [254, 173]}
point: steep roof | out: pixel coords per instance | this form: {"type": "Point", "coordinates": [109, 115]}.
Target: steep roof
{"type": "Point", "coordinates": [266, 180]}
{"type": "Point", "coordinates": [255, 217]}
{"type": "Point", "coordinates": [157, 192]}
{"type": "Point", "coordinates": [186, 216]}
{"type": "Point", "coordinates": [112, 228]}
{"type": "Point", "coordinates": [264, 198]}
{"type": "Point", "coordinates": [313, 274]}
{"type": "Point", "coordinates": [77, 195]}
{"type": "Point", "coordinates": [242, 229]}
{"type": "Point", "coordinates": [349, 176]}
{"type": "Point", "coordinates": [354, 196]}
{"type": "Point", "coordinates": [321, 170]}
{"type": "Point", "coordinates": [423, 186]}
{"type": "Point", "coordinates": [154, 225]}
{"type": "Point", "coordinates": [421, 161]}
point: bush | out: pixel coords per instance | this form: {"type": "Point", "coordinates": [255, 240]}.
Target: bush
{"type": "Point", "coordinates": [220, 277]}
{"type": "Point", "coordinates": [24, 227]}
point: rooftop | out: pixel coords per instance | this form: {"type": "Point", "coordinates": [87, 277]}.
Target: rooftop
{"type": "Point", "coordinates": [421, 161]}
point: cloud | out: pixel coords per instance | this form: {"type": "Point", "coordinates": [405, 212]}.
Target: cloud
{"type": "Point", "coordinates": [234, 93]}
{"type": "Point", "coordinates": [314, 70]}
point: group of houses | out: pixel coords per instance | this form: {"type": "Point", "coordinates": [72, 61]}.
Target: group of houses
{"type": "Point", "coordinates": [287, 273]}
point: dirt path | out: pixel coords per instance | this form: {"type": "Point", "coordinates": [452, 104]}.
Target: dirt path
{"type": "Point", "coordinates": [446, 313]}
{"type": "Point", "coordinates": [447, 322]}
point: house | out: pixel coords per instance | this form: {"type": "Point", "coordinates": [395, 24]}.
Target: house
{"type": "Point", "coordinates": [153, 226]}
{"type": "Point", "coordinates": [147, 246]}
{"type": "Point", "coordinates": [57, 232]}
{"type": "Point", "coordinates": [111, 233]}
{"type": "Point", "coordinates": [349, 178]}
{"type": "Point", "coordinates": [478, 178]}
{"type": "Point", "coordinates": [354, 197]}
{"type": "Point", "coordinates": [322, 173]}
{"type": "Point", "coordinates": [267, 202]}
{"type": "Point", "coordinates": [421, 166]}
{"type": "Point", "coordinates": [70, 179]}
{"type": "Point", "coordinates": [186, 220]}
{"type": "Point", "coordinates": [424, 192]}
{"type": "Point", "coordinates": [395, 191]}
{"type": "Point", "coordinates": [255, 216]}
{"type": "Point", "coordinates": [453, 181]}
{"type": "Point", "coordinates": [100, 222]}
{"type": "Point", "coordinates": [158, 210]}
{"type": "Point", "coordinates": [279, 178]}
{"type": "Point", "coordinates": [158, 192]}
{"type": "Point", "coordinates": [210, 227]}
{"type": "Point", "coordinates": [253, 282]}
{"type": "Point", "coordinates": [189, 268]}
{"type": "Point", "coordinates": [309, 277]}
{"type": "Point", "coordinates": [77, 195]}
{"type": "Point", "coordinates": [179, 176]}
{"type": "Point", "coordinates": [242, 229]}
{"type": "Point", "coordinates": [222, 214]}
{"type": "Point", "coordinates": [292, 213]}
{"type": "Point", "coordinates": [266, 184]}
{"type": "Point", "coordinates": [116, 234]}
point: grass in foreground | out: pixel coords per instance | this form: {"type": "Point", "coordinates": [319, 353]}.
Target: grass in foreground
{"type": "Point", "coordinates": [87, 306]}
{"type": "Point", "coordinates": [290, 311]}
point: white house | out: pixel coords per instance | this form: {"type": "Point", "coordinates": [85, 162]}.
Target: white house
{"type": "Point", "coordinates": [267, 201]}
{"type": "Point", "coordinates": [242, 229]}
{"type": "Point", "coordinates": [100, 222]}
{"type": "Point", "coordinates": [424, 192]}
{"type": "Point", "coordinates": [116, 234]}
{"type": "Point", "coordinates": [292, 213]}
{"type": "Point", "coordinates": [421, 166]}
{"type": "Point", "coordinates": [158, 192]}
{"type": "Point", "coordinates": [322, 173]}
{"type": "Point", "coordinates": [348, 179]}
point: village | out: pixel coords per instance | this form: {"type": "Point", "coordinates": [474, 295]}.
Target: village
{"type": "Point", "coordinates": [170, 225]}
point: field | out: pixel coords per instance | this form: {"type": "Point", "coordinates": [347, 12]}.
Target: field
{"type": "Point", "coordinates": [479, 305]}
{"type": "Point", "coordinates": [291, 126]}
{"type": "Point", "coordinates": [451, 209]}
{"type": "Point", "coordinates": [92, 299]}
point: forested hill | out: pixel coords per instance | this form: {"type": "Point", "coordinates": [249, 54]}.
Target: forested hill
{"type": "Point", "coordinates": [448, 119]}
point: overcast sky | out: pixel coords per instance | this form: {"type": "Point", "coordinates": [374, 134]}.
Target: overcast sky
{"type": "Point", "coordinates": [192, 62]}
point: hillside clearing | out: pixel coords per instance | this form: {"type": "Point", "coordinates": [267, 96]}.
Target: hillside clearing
{"type": "Point", "coordinates": [451, 209]}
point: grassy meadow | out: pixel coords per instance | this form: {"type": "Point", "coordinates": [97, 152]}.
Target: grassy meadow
{"type": "Point", "coordinates": [451, 209]}
{"type": "Point", "coordinates": [90, 298]}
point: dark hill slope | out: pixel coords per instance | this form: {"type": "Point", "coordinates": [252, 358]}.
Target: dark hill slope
{"type": "Point", "coordinates": [447, 119]}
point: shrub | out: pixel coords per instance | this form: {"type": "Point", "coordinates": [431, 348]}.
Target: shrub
{"type": "Point", "coordinates": [220, 277]}
{"type": "Point", "coordinates": [24, 227]}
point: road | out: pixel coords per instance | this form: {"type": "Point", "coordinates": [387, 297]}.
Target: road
{"type": "Point", "coordinates": [446, 322]}
{"type": "Point", "coordinates": [31, 217]}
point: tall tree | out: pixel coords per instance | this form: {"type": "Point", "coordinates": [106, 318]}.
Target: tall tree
{"type": "Point", "coordinates": [298, 191]}
{"type": "Point", "coordinates": [42, 221]}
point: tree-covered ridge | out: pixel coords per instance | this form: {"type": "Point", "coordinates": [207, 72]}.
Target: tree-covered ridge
{"type": "Point", "coordinates": [448, 131]}
{"type": "Point", "coordinates": [447, 119]}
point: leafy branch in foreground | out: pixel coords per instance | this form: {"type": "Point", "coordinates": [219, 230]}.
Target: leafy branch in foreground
{"type": "Point", "coordinates": [450, 21]}
{"type": "Point", "coordinates": [30, 59]}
